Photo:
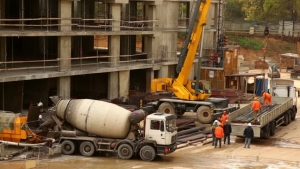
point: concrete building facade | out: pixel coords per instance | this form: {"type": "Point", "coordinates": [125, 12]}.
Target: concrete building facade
{"type": "Point", "coordinates": [47, 47]}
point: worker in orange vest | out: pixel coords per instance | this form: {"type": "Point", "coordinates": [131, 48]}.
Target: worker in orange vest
{"type": "Point", "coordinates": [256, 106]}
{"type": "Point", "coordinates": [267, 98]}
{"type": "Point", "coordinates": [219, 134]}
{"type": "Point", "coordinates": [224, 117]}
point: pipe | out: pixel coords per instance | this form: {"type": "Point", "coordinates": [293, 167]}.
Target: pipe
{"type": "Point", "coordinates": [201, 128]}
{"type": "Point", "coordinates": [22, 144]}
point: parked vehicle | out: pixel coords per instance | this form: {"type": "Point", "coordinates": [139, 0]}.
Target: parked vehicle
{"type": "Point", "coordinates": [273, 72]}
{"type": "Point", "coordinates": [282, 112]}
{"type": "Point", "coordinates": [96, 126]}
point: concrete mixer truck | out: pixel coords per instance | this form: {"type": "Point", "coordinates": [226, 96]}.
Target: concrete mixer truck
{"type": "Point", "coordinates": [96, 126]}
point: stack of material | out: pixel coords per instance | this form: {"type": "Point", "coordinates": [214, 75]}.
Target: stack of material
{"type": "Point", "coordinates": [188, 133]}
{"type": "Point", "coordinates": [248, 116]}
{"type": "Point", "coordinates": [184, 124]}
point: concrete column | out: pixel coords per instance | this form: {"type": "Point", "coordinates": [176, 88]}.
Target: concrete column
{"type": "Point", "coordinates": [149, 78]}
{"type": "Point", "coordinates": [63, 86]}
{"type": "Point", "coordinates": [65, 11]}
{"type": "Point", "coordinates": [64, 48]}
{"type": "Point", "coordinates": [113, 85]}
{"type": "Point", "coordinates": [124, 79]}
{"type": "Point", "coordinates": [169, 25]}
{"type": "Point", "coordinates": [164, 71]}
{"type": "Point", "coordinates": [114, 40]}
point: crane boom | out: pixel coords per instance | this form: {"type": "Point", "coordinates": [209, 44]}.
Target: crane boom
{"type": "Point", "coordinates": [189, 50]}
{"type": "Point", "coordinates": [181, 86]}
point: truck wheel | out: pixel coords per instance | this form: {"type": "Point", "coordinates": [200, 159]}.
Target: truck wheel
{"type": "Point", "coordinates": [166, 108]}
{"type": "Point", "coordinates": [125, 151]}
{"type": "Point", "coordinates": [87, 148]}
{"type": "Point", "coordinates": [286, 119]}
{"type": "Point", "coordinates": [67, 147]}
{"type": "Point", "coordinates": [147, 153]}
{"type": "Point", "coordinates": [290, 116]}
{"type": "Point", "coordinates": [266, 132]}
{"type": "Point", "coordinates": [293, 115]}
{"type": "Point", "coordinates": [272, 128]}
{"type": "Point", "coordinates": [204, 114]}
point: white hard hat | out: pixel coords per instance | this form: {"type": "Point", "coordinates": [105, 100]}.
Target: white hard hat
{"type": "Point", "coordinates": [249, 124]}
{"type": "Point", "coordinates": [40, 104]}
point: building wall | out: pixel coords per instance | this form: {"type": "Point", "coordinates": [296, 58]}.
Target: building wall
{"type": "Point", "coordinates": [42, 57]}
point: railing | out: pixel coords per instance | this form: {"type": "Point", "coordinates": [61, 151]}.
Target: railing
{"type": "Point", "coordinates": [54, 24]}
{"type": "Point", "coordinates": [92, 63]}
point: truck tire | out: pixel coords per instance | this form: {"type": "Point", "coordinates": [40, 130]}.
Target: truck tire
{"type": "Point", "coordinates": [87, 148]}
{"type": "Point", "coordinates": [293, 115]}
{"type": "Point", "coordinates": [67, 147]}
{"type": "Point", "coordinates": [166, 108]}
{"type": "Point", "coordinates": [125, 151]}
{"type": "Point", "coordinates": [286, 119]}
{"type": "Point", "coordinates": [290, 116]}
{"type": "Point", "coordinates": [266, 132]}
{"type": "Point", "coordinates": [147, 153]}
{"type": "Point", "coordinates": [204, 114]}
{"type": "Point", "coordinates": [272, 128]}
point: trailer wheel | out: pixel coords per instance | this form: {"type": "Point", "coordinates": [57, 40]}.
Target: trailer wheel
{"type": "Point", "coordinates": [166, 108]}
{"type": "Point", "coordinates": [125, 151]}
{"type": "Point", "coordinates": [67, 147]}
{"type": "Point", "coordinates": [266, 132]}
{"type": "Point", "coordinates": [147, 153]}
{"type": "Point", "coordinates": [204, 114]}
{"type": "Point", "coordinates": [272, 128]}
{"type": "Point", "coordinates": [87, 148]}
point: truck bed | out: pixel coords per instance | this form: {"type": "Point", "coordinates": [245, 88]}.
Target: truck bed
{"type": "Point", "coordinates": [240, 118]}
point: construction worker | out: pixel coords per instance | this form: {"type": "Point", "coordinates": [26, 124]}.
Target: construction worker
{"type": "Point", "coordinates": [224, 117]}
{"type": "Point", "coordinates": [256, 106]}
{"type": "Point", "coordinates": [267, 98]}
{"type": "Point", "coordinates": [213, 128]}
{"type": "Point", "coordinates": [227, 131]}
{"type": "Point", "coordinates": [219, 134]}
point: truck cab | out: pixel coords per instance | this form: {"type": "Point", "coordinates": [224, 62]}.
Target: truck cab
{"type": "Point", "coordinates": [162, 129]}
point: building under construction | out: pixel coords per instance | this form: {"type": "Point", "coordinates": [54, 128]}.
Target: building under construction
{"type": "Point", "coordinates": [48, 47]}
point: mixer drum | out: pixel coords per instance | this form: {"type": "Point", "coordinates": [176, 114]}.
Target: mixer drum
{"type": "Point", "coordinates": [95, 117]}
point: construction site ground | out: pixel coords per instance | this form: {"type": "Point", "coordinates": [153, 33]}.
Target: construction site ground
{"type": "Point", "coordinates": [280, 151]}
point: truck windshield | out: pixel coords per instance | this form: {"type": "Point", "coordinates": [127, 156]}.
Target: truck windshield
{"type": "Point", "coordinates": [171, 125]}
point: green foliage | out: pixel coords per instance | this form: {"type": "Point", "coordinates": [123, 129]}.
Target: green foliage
{"type": "Point", "coordinates": [248, 43]}
{"type": "Point", "coordinates": [288, 48]}
{"type": "Point", "coordinates": [181, 35]}
{"type": "Point", "coordinates": [234, 10]}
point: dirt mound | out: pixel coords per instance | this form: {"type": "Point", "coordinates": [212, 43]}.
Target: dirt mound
{"type": "Point", "coordinates": [261, 64]}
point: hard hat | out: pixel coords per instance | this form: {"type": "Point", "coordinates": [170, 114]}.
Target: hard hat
{"type": "Point", "coordinates": [40, 104]}
{"type": "Point", "coordinates": [249, 124]}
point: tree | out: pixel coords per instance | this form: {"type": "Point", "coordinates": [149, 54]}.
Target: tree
{"type": "Point", "coordinates": [234, 10]}
{"type": "Point", "coordinates": [270, 10]}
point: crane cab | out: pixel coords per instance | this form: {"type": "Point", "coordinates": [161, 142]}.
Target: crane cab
{"type": "Point", "coordinates": [204, 90]}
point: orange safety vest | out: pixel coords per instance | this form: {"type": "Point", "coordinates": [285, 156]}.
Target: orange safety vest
{"type": "Point", "coordinates": [219, 132]}
{"type": "Point", "coordinates": [224, 118]}
{"type": "Point", "coordinates": [256, 105]}
{"type": "Point", "coordinates": [267, 96]}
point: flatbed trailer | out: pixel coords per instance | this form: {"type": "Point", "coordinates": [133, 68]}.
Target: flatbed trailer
{"type": "Point", "coordinates": [282, 112]}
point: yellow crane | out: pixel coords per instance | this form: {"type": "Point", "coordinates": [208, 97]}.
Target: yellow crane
{"type": "Point", "coordinates": [191, 95]}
